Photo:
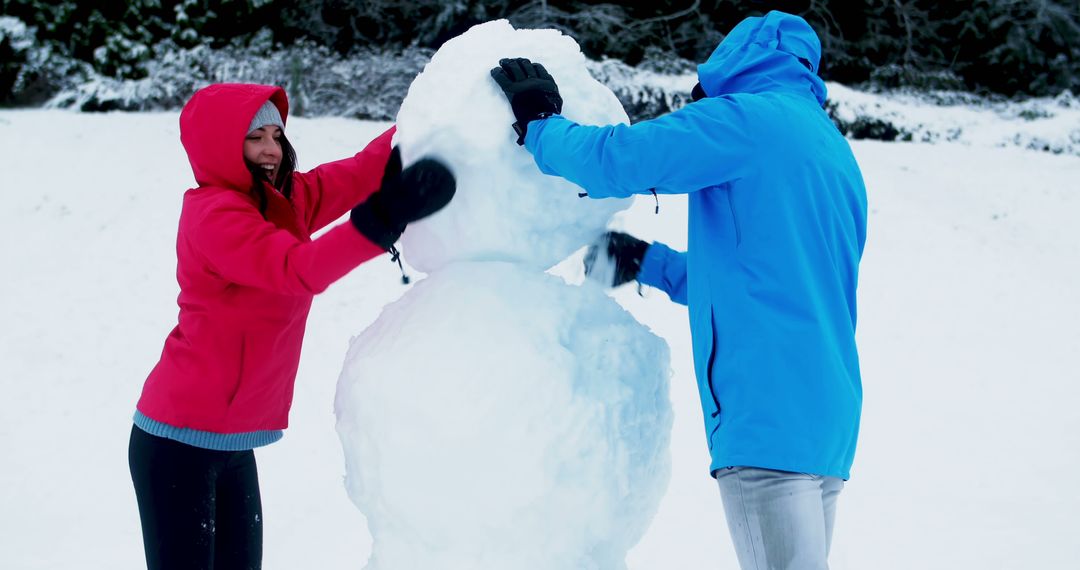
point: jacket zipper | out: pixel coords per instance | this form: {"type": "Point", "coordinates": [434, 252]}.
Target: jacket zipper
{"type": "Point", "coordinates": [709, 378]}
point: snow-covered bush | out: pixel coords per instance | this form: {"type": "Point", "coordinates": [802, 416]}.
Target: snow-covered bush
{"type": "Point", "coordinates": [15, 41]}
{"type": "Point", "coordinates": [121, 56]}
{"type": "Point", "coordinates": [893, 76]}
{"type": "Point", "coordinates": [857, 124]}
{"type": "Point", "coordinates": [30, 71]}
{"type": "Point", "coordinates": [644, 93]}
{"type": "Point", "coordinates": [369, 84]}
{"type": "Point", "coordinates": [1046, 124]}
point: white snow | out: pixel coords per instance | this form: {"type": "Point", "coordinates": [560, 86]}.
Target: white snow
{"type": "Point", "coordinates": [968, 332]}
{"type": "Point", "coordinates": [495, 416]}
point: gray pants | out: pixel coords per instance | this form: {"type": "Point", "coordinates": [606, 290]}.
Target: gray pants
{"type": "Point", "coordinates": [779, 520]}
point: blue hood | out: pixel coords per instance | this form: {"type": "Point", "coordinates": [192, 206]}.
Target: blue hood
{"type": "Point", "coordinates": [775, 52]}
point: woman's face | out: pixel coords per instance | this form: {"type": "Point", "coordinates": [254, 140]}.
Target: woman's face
{"type": "Point", "coordinates": [262, 147]}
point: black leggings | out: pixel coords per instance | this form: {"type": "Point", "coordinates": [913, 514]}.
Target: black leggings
{"type": "Point", "coordinates": [200, 508]}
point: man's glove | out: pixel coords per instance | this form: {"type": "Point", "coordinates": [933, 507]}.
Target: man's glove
{"type": "Point", "coordinates": [404, 196]}
{"type": "Point", "coordinates": [531, 91]}
{"type": "Point", "coordinates": [615, 259]}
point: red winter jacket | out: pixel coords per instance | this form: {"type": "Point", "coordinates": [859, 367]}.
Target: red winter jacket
{"type": "Point", "coordinates": [246, 282]}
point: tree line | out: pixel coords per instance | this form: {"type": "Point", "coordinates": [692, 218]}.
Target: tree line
{"type": "Point", "coordinates": [1007, 47]}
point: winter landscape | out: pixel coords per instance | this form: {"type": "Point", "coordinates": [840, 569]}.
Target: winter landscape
{"type": "Point", "coordinates": [969, 329]}
{"type": "Point", "coordinates": [969, 337]}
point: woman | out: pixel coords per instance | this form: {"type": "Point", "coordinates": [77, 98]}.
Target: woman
{"type": "Point", "coordinates": [248, 269]}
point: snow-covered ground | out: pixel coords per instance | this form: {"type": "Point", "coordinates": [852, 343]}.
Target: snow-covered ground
{"type": "Point", "coordinates": [969, 333]}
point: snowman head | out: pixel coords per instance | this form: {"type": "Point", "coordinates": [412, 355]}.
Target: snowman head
{"type": "Point", "coordinates": [505, 209]}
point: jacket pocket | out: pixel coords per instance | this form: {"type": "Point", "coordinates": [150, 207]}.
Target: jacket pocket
{"type": "Point", "coordinates": [734, 215]}
{"type": "Point", "coordinates": [239, 382]}
{"type": "Point", "coordinates": [715, 419]}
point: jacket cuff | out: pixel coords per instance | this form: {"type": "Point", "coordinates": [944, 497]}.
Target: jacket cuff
{"type": "Point", "coordinates": [652, 265]}
{"type": "Point", "coordinates": [373, 228]}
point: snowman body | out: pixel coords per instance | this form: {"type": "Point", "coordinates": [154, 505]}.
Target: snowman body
{"type": "Point", "coordinates": [496, 416]}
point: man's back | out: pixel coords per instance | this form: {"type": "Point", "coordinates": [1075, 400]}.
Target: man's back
{"type": "Point", "coordinates": [772, 268]}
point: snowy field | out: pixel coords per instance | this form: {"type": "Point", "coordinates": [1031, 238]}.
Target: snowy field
{"type": "Point", "coordinates": [969, 332]}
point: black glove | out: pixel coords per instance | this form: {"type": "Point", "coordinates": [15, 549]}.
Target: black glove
{"type": "Point", "coordinates": [531, 90]}
{"type": "Point", "coordinates": [404, 196]}
{"type": "Point", "coordinates": [698, 92]}
{"type": "Point", "coordinates": [623, 251]}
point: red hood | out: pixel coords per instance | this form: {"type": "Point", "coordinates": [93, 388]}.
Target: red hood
{"type": "Point", "coordinates": [213, 125]}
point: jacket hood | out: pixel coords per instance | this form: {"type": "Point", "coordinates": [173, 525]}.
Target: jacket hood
{"type": "Point", "coordinates": [774, 52]}
{"type": "Point", "coordinates": [213, 125]}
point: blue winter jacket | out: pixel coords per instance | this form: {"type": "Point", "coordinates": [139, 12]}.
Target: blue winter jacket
{"type": "Point", "coordinates": [777, 224]}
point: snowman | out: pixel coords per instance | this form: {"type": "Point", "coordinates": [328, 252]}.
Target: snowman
{"type": "Point", "coordinates": [498, 416]}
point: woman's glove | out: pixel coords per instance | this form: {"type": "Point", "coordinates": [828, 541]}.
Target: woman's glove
{"type": "Point", "coordinates": [405, 196]}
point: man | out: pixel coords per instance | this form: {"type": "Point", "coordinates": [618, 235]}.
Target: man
{"type": "Point", "coordinates": [777, 223]}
